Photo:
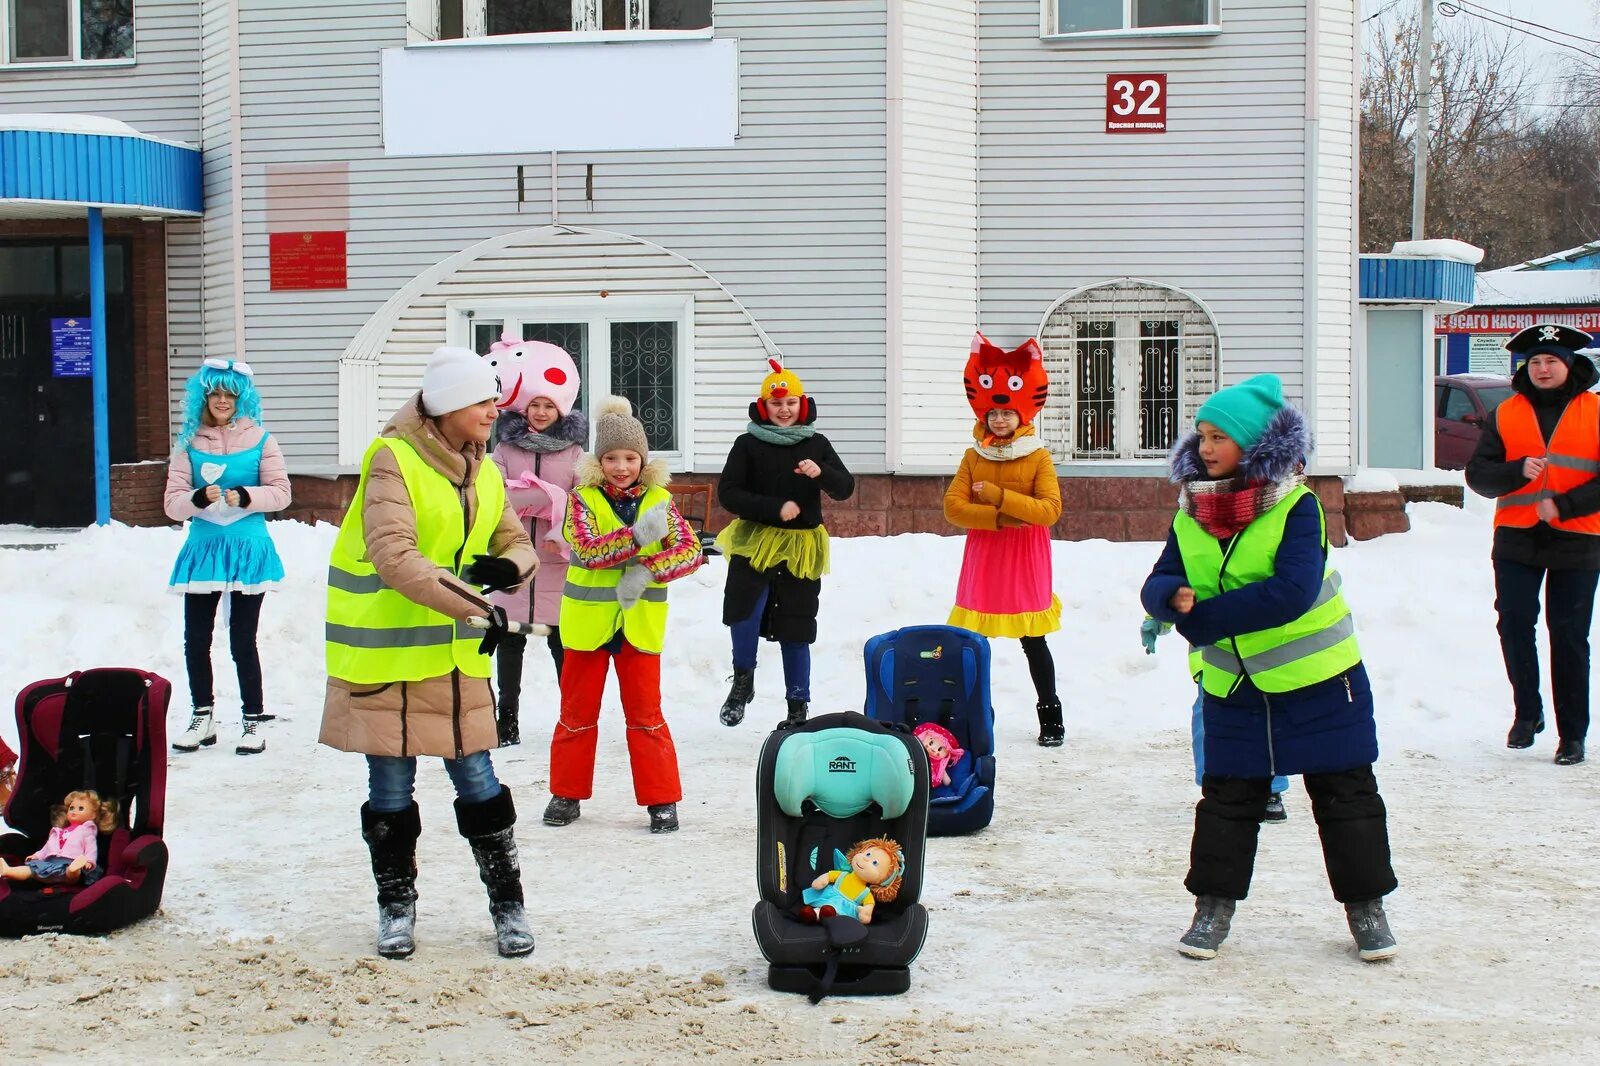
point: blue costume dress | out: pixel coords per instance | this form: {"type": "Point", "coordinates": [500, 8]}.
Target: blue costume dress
{"type": "Point", "coordinates": [830, 895]}
{"type": "Point", "coordinates": [229, 548]}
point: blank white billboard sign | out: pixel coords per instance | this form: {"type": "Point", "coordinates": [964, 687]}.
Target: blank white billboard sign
{"type": "Point", "coordinates": [482, 99]}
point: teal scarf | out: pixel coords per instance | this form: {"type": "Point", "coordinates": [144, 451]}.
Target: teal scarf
{"type": "Point", "coordinates": [782, 435]}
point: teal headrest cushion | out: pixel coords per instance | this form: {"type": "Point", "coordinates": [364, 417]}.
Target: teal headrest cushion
{"type": "Point", "coordinates": [842, 770]}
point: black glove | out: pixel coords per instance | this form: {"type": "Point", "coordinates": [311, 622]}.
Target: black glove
{"type": "Point", "coordinates": [496, 631]}
{"type": "Point", "coordinates": [199, 497]}
{"type": "Point", "coordinates": [244, 497]}
{"type": "Point", "coordinates": [492, 573]}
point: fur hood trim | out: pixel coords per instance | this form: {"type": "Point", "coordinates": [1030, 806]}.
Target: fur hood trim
{"type": "Point", "coordinates": [1283, 448]}
{"type": "Point", "coordinates": [587, 473]}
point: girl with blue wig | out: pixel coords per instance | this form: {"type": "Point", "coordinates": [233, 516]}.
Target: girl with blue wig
{"type": "Point", "coordinates": [225, 475]}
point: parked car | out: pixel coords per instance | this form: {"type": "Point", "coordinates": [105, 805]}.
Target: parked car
{"type": "Point", "coordinates": [1462, 403]}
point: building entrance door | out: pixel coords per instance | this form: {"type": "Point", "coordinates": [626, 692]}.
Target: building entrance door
{"type": "Point", "coordinates": [46, 409]}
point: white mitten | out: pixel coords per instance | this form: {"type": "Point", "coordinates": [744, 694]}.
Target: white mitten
{"type": "Point", "coordinates": [630, 586]}
{"type": "Point", "coordinates": [650, 526]}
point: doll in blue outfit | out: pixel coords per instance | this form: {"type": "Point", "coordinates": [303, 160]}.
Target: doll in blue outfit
{"type": "Point", "coordinates": [225, 475]}
{"type": "Point", "coordinates": [868, 875]}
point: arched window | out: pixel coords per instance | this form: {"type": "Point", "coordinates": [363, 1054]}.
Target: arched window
{"type": "Point", "coordinates": [1130, 361]}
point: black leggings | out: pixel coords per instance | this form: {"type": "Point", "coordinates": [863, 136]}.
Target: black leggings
{"type": "Point", "coordinates": [1041, 667]}
{"type": "Point", "coordinates": [199, 619]}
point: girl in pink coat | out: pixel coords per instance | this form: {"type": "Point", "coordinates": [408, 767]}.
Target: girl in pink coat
{"type": "Point", "coordinates": [537, 441]}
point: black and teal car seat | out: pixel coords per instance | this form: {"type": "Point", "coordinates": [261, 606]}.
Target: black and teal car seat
{"type": "Point", "coordinates": [821, 787]}
{"type": "Point", "coordinates": [940, 674]}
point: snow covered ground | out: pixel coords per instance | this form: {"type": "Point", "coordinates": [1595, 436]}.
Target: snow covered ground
{"type": "Point", "coordinates": [1052, 932]}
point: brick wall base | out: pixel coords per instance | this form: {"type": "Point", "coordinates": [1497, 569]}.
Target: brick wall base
{"type": "Point", "coordinates": [1103, 508]}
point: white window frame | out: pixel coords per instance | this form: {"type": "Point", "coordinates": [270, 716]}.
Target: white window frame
{"type": "Point", "coordinates": [586, 21]}
{"type": "Point", "coordinates": [598, 313]}
{"type": "Point", "coordinates": [75, 39]}
{"type": "Point", "coordinates": [1049, 25]}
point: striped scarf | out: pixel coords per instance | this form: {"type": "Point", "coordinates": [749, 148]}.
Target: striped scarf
{"type": "Point", "coordinates": [1224, 508]}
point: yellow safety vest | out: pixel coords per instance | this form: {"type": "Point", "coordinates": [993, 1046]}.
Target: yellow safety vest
{"type": "Point", "coordinates": [1319, 645]}
{"type": "Point", "coordinates": [374, 634]}
{"type": "Point", "coordinates": [590, 613]}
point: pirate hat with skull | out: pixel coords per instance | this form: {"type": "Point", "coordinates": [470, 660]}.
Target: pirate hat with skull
{"type": "Point", "coordinates": [1548, 338]}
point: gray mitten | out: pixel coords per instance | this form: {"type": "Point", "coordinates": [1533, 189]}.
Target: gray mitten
{"type": "Point", "coordinates": [630, 586]}
{"type": "Point", "coordinates": [650, 526]}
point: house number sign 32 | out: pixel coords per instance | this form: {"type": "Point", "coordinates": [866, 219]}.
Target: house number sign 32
{"type": "Point", "coordinates": [1136, 103]}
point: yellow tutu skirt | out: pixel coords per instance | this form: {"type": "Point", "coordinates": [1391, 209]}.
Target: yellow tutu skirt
{"type": "Point", "coordinates": [764, 547]}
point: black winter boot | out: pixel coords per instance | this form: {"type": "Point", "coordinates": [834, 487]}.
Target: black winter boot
{"type": "Point", "coordinates": [739, 696]}
{"type": "Point", "coordinates": [508, 672]}
{"type": "Point", "coordinates": [1569, 753]}
{"type": "Point", "coordinates": [1370, 926]}
{"type": "Point", "coordinates": [1523, 731]}
{"type": "Point", "coordinates": [663, 817]}
{"type": "Point", "coordinates": [1213, 917]}
{"type": "Point", "coordinates": [1052, 732]}
{"type": "Point", "coordinates": [392, 840]}
{"type": "Point", "coordinates": [798, 709]}
{"type": "Point", "coordinates": [487, 827]}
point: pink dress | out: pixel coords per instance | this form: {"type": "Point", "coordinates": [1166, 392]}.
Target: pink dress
{"type": "Point", "coordinates": [1005, 585]}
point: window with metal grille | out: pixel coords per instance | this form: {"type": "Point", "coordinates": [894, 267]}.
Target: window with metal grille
{"type": "Point", "coordinates": [493, 18]}
{"type": "Point", "coordinates": [1132, 360]}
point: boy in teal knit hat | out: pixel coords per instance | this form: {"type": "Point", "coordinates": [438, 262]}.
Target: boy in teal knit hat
{"type": "Point", "coordinates": [1243, 411]}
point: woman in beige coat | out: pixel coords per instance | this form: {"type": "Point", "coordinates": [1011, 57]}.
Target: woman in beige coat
{"type": "Point", "coordinates": [428, 526]}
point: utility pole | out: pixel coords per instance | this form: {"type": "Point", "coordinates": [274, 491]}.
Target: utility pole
{"type": "Point", "coordinates": [1424, 76]}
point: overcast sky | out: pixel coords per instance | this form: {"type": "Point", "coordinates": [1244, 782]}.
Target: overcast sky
{"type": "Point", "coordinates": [1548, 61]}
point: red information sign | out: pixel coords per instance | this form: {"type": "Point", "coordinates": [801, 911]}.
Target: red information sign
{"type": "Point", "coordinates": [314, 260]}
{"type": "Point", "coordinates": [1136, 103]}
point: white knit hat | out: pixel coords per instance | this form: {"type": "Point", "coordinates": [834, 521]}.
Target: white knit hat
{"type": "Point", "coordinates": [455, 378]}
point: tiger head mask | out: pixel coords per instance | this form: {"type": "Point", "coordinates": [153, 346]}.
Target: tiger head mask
{"type": "Point", "coordinates": [1013, 380]}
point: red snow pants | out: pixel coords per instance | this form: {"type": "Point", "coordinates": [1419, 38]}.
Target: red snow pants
{"type": "Point", "coordinates": [650, 749]}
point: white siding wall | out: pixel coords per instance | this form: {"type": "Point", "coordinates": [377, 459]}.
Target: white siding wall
{"type": "Point", "coordinates": [790, 220]}
{"type": "Point", "coordinates": [1215, 206]}
{"type": "Point", "coordinates": [937, 229]}
{"type": "Point", "coordinates": [159, 94]}
{"type": "Point", "coordinates": [1335, 114]}
{"type": "Point", "coordinates": [219, 165]}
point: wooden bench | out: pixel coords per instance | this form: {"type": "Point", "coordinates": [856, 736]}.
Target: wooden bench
{"type": "Point", "coordinates": [694, 503]}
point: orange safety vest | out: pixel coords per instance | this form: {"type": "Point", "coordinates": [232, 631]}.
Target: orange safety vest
{"type": "Point", "coordinates": [1573, 455]}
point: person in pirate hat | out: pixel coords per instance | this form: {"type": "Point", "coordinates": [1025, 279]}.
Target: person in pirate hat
{"type": "Point", "coordinates": [777, 546]}
{"type": "Point", "coordinates": [1539, 460]}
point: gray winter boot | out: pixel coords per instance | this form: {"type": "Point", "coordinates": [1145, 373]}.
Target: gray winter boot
{"type": "Point", "coordinates": [1213, 917]}
{"type": "Point", "coordinates": [1370, 926]}
{"type": "Point", "coordinates": [392, 840]}
{"type": "Point", "coordinates": [488, 828]}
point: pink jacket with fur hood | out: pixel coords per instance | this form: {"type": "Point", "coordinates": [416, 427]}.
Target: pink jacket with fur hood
{"type": "Point", "coordinates": [240, 435]}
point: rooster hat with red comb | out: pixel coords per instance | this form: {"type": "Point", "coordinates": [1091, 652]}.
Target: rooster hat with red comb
{"type": "Point", "coordinates": [779, 384]}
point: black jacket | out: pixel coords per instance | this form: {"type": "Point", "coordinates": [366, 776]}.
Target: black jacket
{"type": "Point", "coordinates": [1490, 474]}
{"type": "Point", "coordinates": [759, 478]}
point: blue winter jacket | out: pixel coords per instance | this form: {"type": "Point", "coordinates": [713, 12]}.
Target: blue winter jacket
{"type": "Point", "coordinates": [1322, 728]}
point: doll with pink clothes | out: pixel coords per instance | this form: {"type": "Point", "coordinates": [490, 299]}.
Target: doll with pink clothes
{"type": "Point", "coordinates": [943, 751]}
{"type": "Point", "coordinates": [538, 439]}
{"type": "Point", "coordinates": [71, 852]}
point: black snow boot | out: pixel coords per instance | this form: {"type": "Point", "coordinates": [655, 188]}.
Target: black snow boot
{"type": "Point", "coordinates": [1275, 811]}
{"type": "Point", "coordinates": [1569, 753]}
{"type": "Point", "coordinates": [739, 696]}
{"type": "Point", "coordinates": [508, 672]}
{"type": "Point", "coordinates": [561, 811]}
{"type": "Point", "coordinates": [392, 839]}
{"type": "Point", "coordinates": [1370, 926]}
{"type": "Point", "coordinates": [1523, 731]}
{"type": "Point", "coordinates": [487, 827]}
{"type": "Point", "coordinates": [663, 818]}
{"type": "Point", "coordinates": [1052, 733]}
{"type": "Point", "coordinates": [798, 709]}
{"type": "Point", "coordinates": [1213, 917]}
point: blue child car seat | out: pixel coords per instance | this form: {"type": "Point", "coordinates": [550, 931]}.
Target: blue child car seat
{"type": "Point", "coordinates": [940, 674]}
{"type": "Point", "coordinates": [821, 787]}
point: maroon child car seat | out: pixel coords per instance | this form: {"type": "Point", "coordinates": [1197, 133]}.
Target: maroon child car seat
{"type": "Point", "coordinates": [103, 730]}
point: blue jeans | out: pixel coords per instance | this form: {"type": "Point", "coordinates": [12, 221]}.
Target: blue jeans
{"type": "Point", "coordinates": [1197, 733]}
{"type": "Point", "coordinates": [391, 780]}
{"type": "Point", "coordinates": [796, 657]}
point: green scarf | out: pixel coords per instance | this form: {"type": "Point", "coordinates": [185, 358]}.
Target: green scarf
{"type": "Point", "coordinates": [782, 435]}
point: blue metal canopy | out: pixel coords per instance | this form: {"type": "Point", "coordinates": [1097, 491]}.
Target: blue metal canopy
{"type": "Point", "coordinates": [1408, 279]}
{"type": "Point", "coordinates": [54, 166]}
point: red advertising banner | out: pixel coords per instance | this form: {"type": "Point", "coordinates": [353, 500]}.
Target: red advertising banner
{"type": "Point", "coordinates": [1586, 319]}
{"type": "Point", "coordinates": [314, 260]}
{"type": "Point", "coordinates": [1136, 103]}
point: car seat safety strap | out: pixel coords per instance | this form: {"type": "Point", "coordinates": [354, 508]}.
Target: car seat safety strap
{"type": "Point", "coordinates": [824, 983]}
{"type": "Point", "coordinates": [88, 761]}
{"type": "Point", "coordinates": [124, 750]}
